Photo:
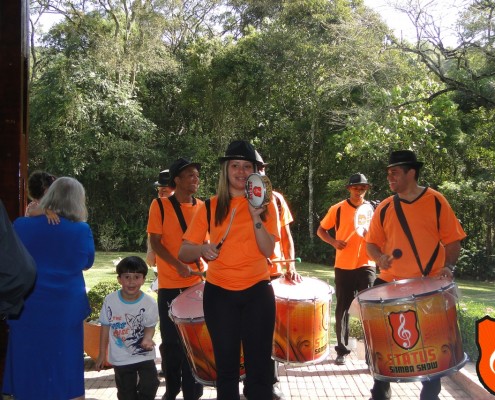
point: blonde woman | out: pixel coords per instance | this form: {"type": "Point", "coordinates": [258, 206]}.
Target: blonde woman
{"type": "Point", "coordinates": [238, 302]}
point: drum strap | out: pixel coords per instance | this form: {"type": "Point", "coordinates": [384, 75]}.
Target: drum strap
{"type": "Point", "coordinates": [208, 212]}
{"type": "Point", "coordinates": [160, 204]}
{"type": "Point", "coordinates": [407, 231]}
{"type": "Point", "coordinates": [180, 217]}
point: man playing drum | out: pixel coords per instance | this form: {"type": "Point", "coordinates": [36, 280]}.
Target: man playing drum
{"type": "Point", "coordinates": [412, 234]}
{"type": "Point", "coordinates": [354, 270]}
{"type": "Point", "coordinates": [174, 275]}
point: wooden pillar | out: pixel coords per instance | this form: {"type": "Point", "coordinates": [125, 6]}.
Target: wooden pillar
{"type": "Point", "coordinates": [14, 72]}
{"type": "Point", "coordinates": [14, 57]}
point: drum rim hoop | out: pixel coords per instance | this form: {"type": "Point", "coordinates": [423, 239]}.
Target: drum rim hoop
{"type": "Point", "coordinates": [413, 296]}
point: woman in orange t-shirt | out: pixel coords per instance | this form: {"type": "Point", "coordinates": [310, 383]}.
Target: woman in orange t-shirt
{"type": "Point", "coordinates": [238, 301]}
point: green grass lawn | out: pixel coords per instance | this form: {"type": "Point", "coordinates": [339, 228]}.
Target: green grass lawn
{"type": "Point", "coordinates": [104, 269]}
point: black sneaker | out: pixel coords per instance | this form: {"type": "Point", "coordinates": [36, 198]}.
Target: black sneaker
{"type": "Point", "coordinates": [340, 360]}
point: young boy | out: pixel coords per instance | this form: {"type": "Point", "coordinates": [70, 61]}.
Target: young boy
{"type": "Point", "coordinates": [128, 318]}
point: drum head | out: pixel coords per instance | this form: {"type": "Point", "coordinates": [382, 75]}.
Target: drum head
{"type": "Point", "coordinates": [189, 304]}
{"type": "Point", "coordinates": [362, 218]}
{"type": "Point", "coordinates": [258, 190]}
{"type": "Point", "coordinates": [404, 289]}
{"type": "Point", "coordinates": [307, 290]}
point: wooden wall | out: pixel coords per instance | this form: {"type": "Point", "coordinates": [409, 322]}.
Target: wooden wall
{"type": "Point", "coordinates": [14, 57]}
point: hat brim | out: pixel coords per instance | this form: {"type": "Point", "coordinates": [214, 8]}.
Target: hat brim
{"type": "Point", "coordinates": [237, 157]}
{"type": "Point", "coordinates": [414, 164]}
{"type": "Point", "coordinates": [358, 184]}
{"type": "Point", "coordinates": [158, 184]}
{"type": "Point", "coordinates": [176, 173]}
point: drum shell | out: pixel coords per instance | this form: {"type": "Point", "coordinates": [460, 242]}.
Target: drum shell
{"type": "Point", "coordinates": [302, 323]}
{"type": "Point", "coordinates": [186, 310]}
{"type": "Point", "coordinates": [415, 337]}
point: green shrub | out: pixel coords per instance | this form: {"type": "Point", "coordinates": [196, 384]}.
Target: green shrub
{"type": "Point", "coordinates": [356, 328]}
{"type": "Point", "coordinates": [97, 294]}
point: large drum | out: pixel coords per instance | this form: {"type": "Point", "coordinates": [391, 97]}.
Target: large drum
{"type": "Point", "coordinates": [411, 329]}
{"type": "Point", "coordinates": [187, 313]}
{"type": "Point", "coordinates": [302, 321]}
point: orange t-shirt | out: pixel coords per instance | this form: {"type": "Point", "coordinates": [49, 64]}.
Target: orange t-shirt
{"type": "Point", "coordinates": [354, 255]}
{"type": "Point", "coordinates": [284, 219]}
{"type": "Point", "coordinates": [240, 263]}
{"type": "Point", "coordinates": [421, 216]}
{"type": "Point", "coordinates": [171, 232]}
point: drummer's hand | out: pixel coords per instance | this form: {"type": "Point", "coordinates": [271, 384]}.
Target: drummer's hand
{"type": "Point", "coordinates": [446, 272]}
{"type": "Point", "coordinates": [209, 251]}
{"type": "Point", "coordinates": [339, 244]}
{"type": "Point", "coordinates": [385, 261]}
{"type": "Point", "coordinates": [183, 269]}
{"type": "Point", "coordinates": [292, 276]}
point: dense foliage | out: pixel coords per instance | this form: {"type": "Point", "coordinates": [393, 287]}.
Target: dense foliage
{"type": "Point", "coordinates": [120, 88]}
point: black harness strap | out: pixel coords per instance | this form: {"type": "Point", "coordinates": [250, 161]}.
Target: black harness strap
{"type": "Point", "coordinates": [337, 220]}
{"type": "Point", "coordinates": [160, 204]}
{"type": "Point", "coordinates": [407, 231]}
{"type": "Point", "coordinates": [180, 217]}
{"type": "Point", "coordinates": [208, 212]}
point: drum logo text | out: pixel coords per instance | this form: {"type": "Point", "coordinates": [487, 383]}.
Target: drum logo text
{"type": "Point", "coordinates": [404, 328]}
{"type": "Point", "coordinates": [485, 340]}
{"type": "Point", "coordinates": [257, 191]}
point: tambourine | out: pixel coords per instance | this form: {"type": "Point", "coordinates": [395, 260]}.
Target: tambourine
{"type": "Point", "coordinates": [362, 218]}
{"type": "Point", "coordinates": [258, 190]}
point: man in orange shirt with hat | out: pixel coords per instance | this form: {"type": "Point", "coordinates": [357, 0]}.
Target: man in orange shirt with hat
{"type": "Point", "coordinates": [174, 275]}
{"type": "Point", "coordinates": [354, 270]}
{"type": "Point", "coordinates": [412, 234]}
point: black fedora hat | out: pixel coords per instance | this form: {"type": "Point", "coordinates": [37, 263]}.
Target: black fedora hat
{"type": "Point", "coordinates": [259, 160]}
{"type": "Point", "coordinates": [178, 165]}
{"type": "Point", "coordinates": [358, 179]}
{"type": "Point", "coordinates": [163, 178]}
{"type": "Point", "coordinates": [240, 150]}
{"type": "Point", "coordinates": [404, 157]}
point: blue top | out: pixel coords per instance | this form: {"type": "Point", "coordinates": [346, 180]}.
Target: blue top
{"type": "Point", "coordinates": [61, 253]}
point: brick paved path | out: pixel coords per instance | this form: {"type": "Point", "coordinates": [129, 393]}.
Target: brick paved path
{"type": "Point", "coordinates": [320, 381]}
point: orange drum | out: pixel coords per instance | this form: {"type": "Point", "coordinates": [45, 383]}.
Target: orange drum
{"type": "Point", "coordinates": [411, 330]}
{"type": "Point", "coordinates": [187, 313]}
{"type": "Point", "coordinates": [302, 321]}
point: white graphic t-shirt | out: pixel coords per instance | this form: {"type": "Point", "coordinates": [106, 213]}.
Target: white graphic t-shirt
{"type": "Point", "coordinates": [127, 321]}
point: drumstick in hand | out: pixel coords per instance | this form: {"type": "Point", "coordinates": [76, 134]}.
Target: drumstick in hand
{"type": "Point", "coordinates": [297, 259]}
{"type": "Point", "coordinates": [351, 235]}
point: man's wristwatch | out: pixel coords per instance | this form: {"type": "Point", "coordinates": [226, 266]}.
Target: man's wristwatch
{"type": "Point", "coordinates": [258, 225]}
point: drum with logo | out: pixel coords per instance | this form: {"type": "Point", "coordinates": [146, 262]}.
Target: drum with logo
{"type": "Point", "coordinates": [411, 329]}
{"type": "Point", "coordinates": [258, 190]}
{"type": "Point", "coordinates": [186, 310]}
{"type": "Point", "coordinates": [302, 321]}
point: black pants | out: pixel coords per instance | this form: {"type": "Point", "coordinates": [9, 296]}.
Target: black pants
{"type": "Point", "coordinates": [246, 316]}
{"type": "Point", "coordinates": [347, 284]}
{"type": "Point", "coordinates": [175, 365]}
{"type": "Point", "coordinates": [137, 381]}
{"type": "Point", "coordinates": [430, 391]}
{"type": "Point", "coordinates": [381, 390]}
